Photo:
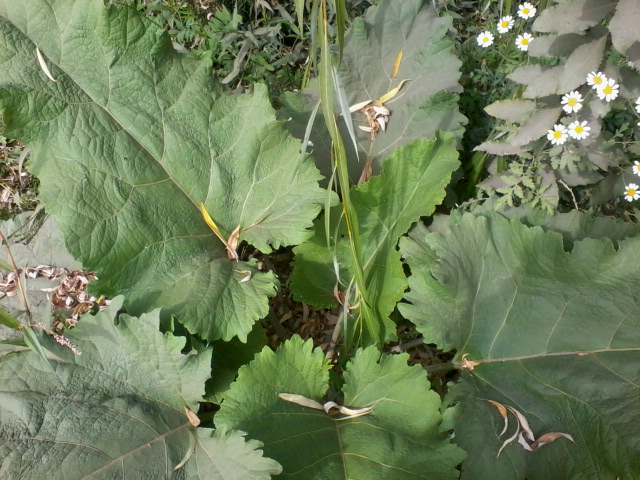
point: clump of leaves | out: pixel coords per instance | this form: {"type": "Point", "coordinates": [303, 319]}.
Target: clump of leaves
{"type": "Point", "coordinates": [577, 40]}
{"type": "Point", "coordinates": [248, 42]}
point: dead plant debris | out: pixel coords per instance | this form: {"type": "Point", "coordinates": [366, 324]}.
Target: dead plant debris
{"type": "Point", "coordinates": [68, 292]}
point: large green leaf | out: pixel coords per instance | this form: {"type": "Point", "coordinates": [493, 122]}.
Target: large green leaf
{"type": "Point", "coordinates": [411, 185]}
{"type": "Point", "coordinates": [555, 334]}
{"type": "Point", "coordinates": [116, 410]}
{"type": "Point", "coordinates": [128, 141]}
{"type": "Point", "coordinates": [425, 104]}
{"type": "Point", "coordinates": [397, 439]}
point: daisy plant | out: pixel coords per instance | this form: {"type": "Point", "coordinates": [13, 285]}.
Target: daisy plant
{"type": "Point", "coordinates": [485, 39]}
{"type": "Point", "coordinates": [608, 90]}
{"type": "Point", "coordinates": [572, 102]}
{"type": "Point", "coordinates": [523, 41]}
{"type": "Point", "coordinates": [578, 130]}
{"type": "Point", "coordinates": [558, 135]}
{"type": "Point", "coordinates": [505, 24]}
{"type": "Point", "coordinates": [526, 11]}
{"type": "Point", "coordinates": [631, 192]}
{"type": "Point", "coordinates": [574, 118]}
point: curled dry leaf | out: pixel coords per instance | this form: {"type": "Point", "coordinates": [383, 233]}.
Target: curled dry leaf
{"type": "Point", "coordinates": [43, 65]}
{"type": "Point", "coordinates": [522, 423]}
{"type": "Point", "coordinates": [347, 412]}
{"type": "Point", "coordinates": [246, 273]}
{"type": "Point", "coordinates": [377, 116]}
{"type": "Point", "coordinates": [468, 364]}
{"type": "Point", "coordinates": [300, 400]}
{"type": "Point", "coordinates": [232, 243]}
{"type": "Point", "coordinates": [328, 407]}
{"type": "Point", "coordinates": [392, 93]}
{"type": "Point", "coordinates": [192, 416]}
{"type": "Point", "coordinates": [523, 432]}
{"type": "Point", "coordinates": [359, 106]}
{"type": "Point", "coordinates": [503, 411]}
{"type": "Point", "coordinates": [523, 442]}
{"type": "Point", "coordinates": [548, 438]}
{"type": "Point", "coordinates": [396, 65]}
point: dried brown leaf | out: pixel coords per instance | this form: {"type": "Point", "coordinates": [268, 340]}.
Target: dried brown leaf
{"type": "Point", "coordinates": [548, 438]}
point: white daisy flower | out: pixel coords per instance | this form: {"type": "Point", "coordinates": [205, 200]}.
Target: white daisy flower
{"type": "Point", "coordinates": [631, 192]}
{"type": "Point", "coordinates": [578, 130]}
{"type": "Point", "coordinates": [638, 105]}
{"type": "Point", "coordinates": [485, 39]}
{"type": "Point", "coordinates": [595, 79]}
{"type": "Point", "coordinates": [558, 135]}
{"type": "Point", "coordinates": [636, 167]}
{"type": "Point", "coordinates": [505, 24]}
{"type": "Point", "coordinates": [526, 10]}
{"type": "Point", "coordinates": [571, 102]}
{"type": "Point", "coordinates": [523, 41]}
{"type": "Point", "coordinates": [609, 90]}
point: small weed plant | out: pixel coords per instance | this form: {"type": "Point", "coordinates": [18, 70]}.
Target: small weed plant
{"type": "Point", "coordinates": [451, 183]}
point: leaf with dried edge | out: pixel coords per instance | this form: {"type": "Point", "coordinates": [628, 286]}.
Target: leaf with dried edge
{"type": "Point", "coordinates": [554, 334]}
{"type": "Point", "coordinates": [118, 408]}
{"type": "Point", "coordinates": [398, 438]}
{"type": "Point", "coordinates": [128, 142]}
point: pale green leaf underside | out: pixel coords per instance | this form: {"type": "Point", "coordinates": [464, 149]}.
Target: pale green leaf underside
{"type": "Point", "coordinates": [624, 28]}
{"type": "Point", "coordinates": [115, 411]}
{"type": "Point", "coordinates": [425, 104]}
{"type": "Point", "coordinates": [572, 16]}
{"type": "Point", "coordinates": [130, 139]}
{"type": "Point", "coordinates": [399, 439]}
{"type": "Point", "coordinates": [556, 333]}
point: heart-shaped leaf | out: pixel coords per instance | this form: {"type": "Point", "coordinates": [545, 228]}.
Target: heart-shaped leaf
{"type": "Point", "coordinates": [551, 333]}
{"type": "Point", "coordinates": [130, 139]}
{"type": "Point", "coordinates": [397, 438]}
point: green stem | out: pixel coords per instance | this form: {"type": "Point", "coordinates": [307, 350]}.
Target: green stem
{"type": "Point", "coordinates": [326, 73]}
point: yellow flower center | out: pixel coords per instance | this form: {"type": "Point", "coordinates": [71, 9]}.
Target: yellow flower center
{"type": "Point", "coordinates": [578, 129]}
{"type": "Point", "coordinates": [572, 102]}
{"type": "Point", "coordinates": [525, 11]}
{"type": "Point", "coordinates": [607, 89]}
{"type": "Point", "coordinates": [631, 192]}
{"type": "Point", "coordinates": [597, 80]}
{"type": "Point", "coordinates": [525, 41]}
{"type": "Point", "coordinates": [557, 134]}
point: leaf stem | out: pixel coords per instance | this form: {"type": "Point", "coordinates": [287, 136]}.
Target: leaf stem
{"type": "Point", "coordinates": [326, 73]}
